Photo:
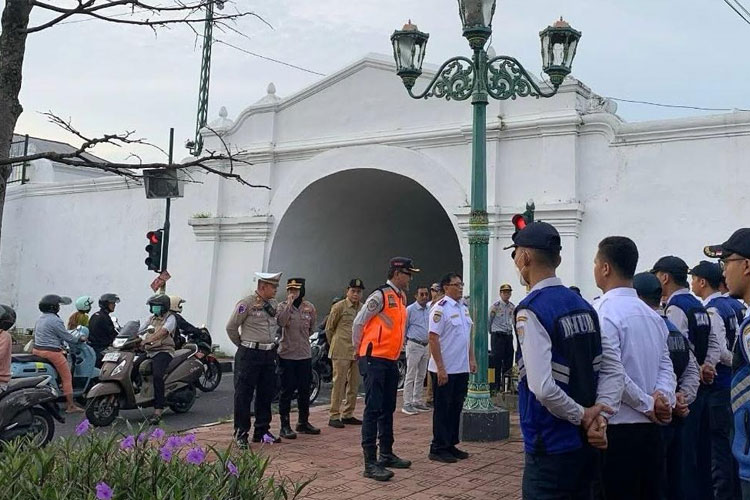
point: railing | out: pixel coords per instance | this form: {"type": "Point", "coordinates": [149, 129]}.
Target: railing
{"type": "Point", "coordinates": [18, 172]}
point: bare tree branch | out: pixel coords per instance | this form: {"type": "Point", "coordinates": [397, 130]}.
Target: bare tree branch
{"type": "Point", "coordinates": [178, 12]}
{"type": "Point", "coordinates": [210, 163]}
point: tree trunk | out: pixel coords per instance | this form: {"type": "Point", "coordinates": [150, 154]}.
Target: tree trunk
{"type": "Point", "coordinates": [15, 20]}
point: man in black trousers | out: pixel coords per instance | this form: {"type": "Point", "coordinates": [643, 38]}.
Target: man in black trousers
{"type": "Point", "coordinates": [452, 360]}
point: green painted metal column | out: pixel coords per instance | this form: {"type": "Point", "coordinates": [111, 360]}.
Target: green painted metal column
{"type": "Point", "coordinates": [479, 392]}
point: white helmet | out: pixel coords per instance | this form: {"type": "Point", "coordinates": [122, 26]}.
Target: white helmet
{"type": "Point", "coordinates": [175, 303]}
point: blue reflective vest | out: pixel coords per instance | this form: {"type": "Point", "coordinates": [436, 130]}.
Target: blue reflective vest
{"type": "Point", "coordinates": [679, 350]}
{"type": "Point", "coordinates": [699, 324]}
{"type": "Point", "coordinates": [728, 315]}
{"type": "Point", "coordinates": [573, 327]}
{"type": "Point", "coordinates": [741, 403]}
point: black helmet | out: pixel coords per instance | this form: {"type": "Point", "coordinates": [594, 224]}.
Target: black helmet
{"type": "Point", "coordinates": [159, 299]}
{"type": "Point", "coordinates": [108, 298]}
{"type": "Point", "coordinates": [7, 317]}
{"type": "Point", "coordinates": [51, 303]}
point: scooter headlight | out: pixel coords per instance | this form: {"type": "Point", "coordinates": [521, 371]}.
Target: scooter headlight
{"type": "Point", "coordinates": [118, 368]}
{"type": "Point", "coordinates": [119, 342]}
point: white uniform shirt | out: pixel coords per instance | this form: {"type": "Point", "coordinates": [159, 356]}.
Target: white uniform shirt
{"type": "Point", "coordinates": [450, 320]}
{"type": "Point", "coordinates": [642, 337]}
{"type": "Point", "coordinates": [719, 332]}
{"type": "Point", "coordinates": [678, 317]}
{"type": "Point", "coordinates": [536, 346]}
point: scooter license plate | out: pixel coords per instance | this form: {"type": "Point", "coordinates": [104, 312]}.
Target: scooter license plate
{"type": "Point", "coordinates": [111, 357]}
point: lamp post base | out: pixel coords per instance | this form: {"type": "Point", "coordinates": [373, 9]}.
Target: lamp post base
{"type": "Point", "coordinates": [485, 425]}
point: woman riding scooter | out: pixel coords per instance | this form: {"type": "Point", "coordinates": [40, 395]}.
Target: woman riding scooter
{"type": "Point", "coordinates": [49, 337]}
{"type": "Point", "coordinates": [159, 346]}
{"type": "Point", "coordinates": [81, 316]}
{"type": "Point", "coordinates": [184, 327]}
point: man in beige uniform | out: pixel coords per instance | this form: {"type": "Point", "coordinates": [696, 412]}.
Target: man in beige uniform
{"type": "Point", "coordinates": [251, 328]}
{"type": "Point", "coordinates": [345, 370]}
{"type": "Point", "coordinates": [297, 318]}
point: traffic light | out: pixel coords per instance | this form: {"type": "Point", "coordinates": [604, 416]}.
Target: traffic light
{"type": "Point", "coordinates": [154, 247]}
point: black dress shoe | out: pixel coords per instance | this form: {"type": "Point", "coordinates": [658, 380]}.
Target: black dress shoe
{"type": "Point", "coordinates": [377, 472]}
{"type": "Point", "coordinates": [392, 461]}
{"type": "Point", "coordinates": [443, 457]}
{"type": "Point", "coordinates": [351, 421]}
{"type": "Point", "coordinates": [266, 438]}
{"type": "Point", "coordinates": [338, 424]}
{"type": "Point", "coordinates": [307, 428]}
{"type": "Point", "coordinates": [459, 454]}
{"type": "Point", "coordinates": [286, 432]}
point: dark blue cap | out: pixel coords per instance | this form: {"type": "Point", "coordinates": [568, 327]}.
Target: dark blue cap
{"type": "Point", "coordinates": [404, 264]}
{"type": "Point", "coordinates": [672, 265]}
{"type": "Point", "coordinates": [708, 270]}
{"type": "Point", "coordinates": [738, 243]}
{"type": "Point", "coordinates": [647, 285]}
{"type": "Point", "coordinates": [538, 235]}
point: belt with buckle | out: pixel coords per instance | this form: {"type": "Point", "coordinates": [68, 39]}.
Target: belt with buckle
{"type": "Point", "coordinates": [423, 344]}
{"type": "Point", "coordinates": [260, 346]}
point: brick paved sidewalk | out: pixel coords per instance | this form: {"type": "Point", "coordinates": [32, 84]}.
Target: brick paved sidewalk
{"type": "Point", "coordinates": [335, 457]}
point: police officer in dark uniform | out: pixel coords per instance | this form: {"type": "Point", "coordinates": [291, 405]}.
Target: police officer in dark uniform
{"type": "Point", "coordinates": [691, 318]}
{"type": "Point", "coordinates": [687, 373]}
{"type": "Point", "coordinates": [568, 382]}
{"type": "Point", "coordinates": [734, 255]}
{"type": "Point", "coordinates": [252, 328]}
{"type": "Point", "coordinates": [377, 337]}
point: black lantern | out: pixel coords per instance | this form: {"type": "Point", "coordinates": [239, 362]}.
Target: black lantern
{"type": "Point", "coordinates": [409, 45]}
{"type": "Point", "coordinates": [559, 44]}
{"type": "Point", "coordinates": [476, 17]}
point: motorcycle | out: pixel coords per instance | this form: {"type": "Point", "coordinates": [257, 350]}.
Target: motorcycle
{"type": "Point", "coordinates": [116, 390]}
{"type": "Point", "coordinates": [211, 376]}
{"type": "Point", "coordinates": [81, 358]}
{"type": "Point", "coordinates": [27, 408]}
{"type": "Point", "coordinates": [321, 363]}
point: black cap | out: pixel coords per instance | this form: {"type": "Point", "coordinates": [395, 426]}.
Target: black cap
{"type": "Point", "coordinates": [708, 270]}
{"type": "Point", "coordinates": [738, 243]}
{"type": "Point", "coordinates": [647, 285]}
{"type": "Point", "coordinates": [295, 283]}
{"type": "Point", "coordinates": [672, 265]}
{"type": "Point", "coordinates": [356, 283]}
{"type": "Point", "coordinates": [403, 264]}
{"type": "Point", "coordinates": [539, 235]}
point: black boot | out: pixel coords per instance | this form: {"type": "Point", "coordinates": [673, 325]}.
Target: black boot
{"type": "Point", "coordinates": [392, 461]}
{"type": "Point", "coordinates": [307, 428]}
{"type": "Point", "coordinates": [286, 431]}
{"type": "Point", "coordinates": [373, 469]}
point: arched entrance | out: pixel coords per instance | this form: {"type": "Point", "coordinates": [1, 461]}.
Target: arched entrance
{"type": "Point", "coordinates": [350, 223]}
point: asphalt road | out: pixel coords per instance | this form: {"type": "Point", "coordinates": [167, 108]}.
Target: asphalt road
{"type": "Point", "coordinates": [210, 407]}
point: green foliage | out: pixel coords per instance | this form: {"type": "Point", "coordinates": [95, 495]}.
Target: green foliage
{"type": "Point", "coordinates": [202, 215]}
{"type": "Point", "coordinates": [138, 466]}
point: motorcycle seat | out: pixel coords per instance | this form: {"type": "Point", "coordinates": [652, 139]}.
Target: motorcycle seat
{"type": "Point", "coordinates": [17, 384]}
{"type": "Point", "coordinates": [28, 358]}
{"type": "Point", "coordinates": [179, 356]}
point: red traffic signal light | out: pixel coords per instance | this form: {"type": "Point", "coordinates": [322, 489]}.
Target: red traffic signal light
{"type": "Point", "coordinates": [519, 222]}
{"type": "Point", "coordinates": [154, 248]}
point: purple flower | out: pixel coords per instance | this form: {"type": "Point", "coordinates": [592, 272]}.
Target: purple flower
{"type": "Point", "coordinates": [195, 456]}
{"type": "Point", "coordinates": [173, 442]}
{"type": "Point", "coordinates": [127, 443]}
{"type": "Point", "coordinates": [165, 453]}
{"type": "Point", "coordinates": [188, 439]}
{"type": "Point", "coordinates": [83, 427]}
{"type": "Point", "coordinates": [157, 434]}
{"type": "Point", "coordinates": [103, 491]}
{"type": "Point", "coordinates": [267, 438]}
{"type": "Point", "coordinates": [232, 469]}
{"type": "Point", "coordinates": [142, 437]}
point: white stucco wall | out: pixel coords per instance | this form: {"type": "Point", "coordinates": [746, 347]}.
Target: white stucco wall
{"type": "Point", "coordinates": [672, 186]}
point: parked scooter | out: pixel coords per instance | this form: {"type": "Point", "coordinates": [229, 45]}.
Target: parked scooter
{"type": "Point", "coordinates": [27, 408]}
{"type": "Point", "coordinates": [116, 390]}
{"type": "Point", "coordinates": [321, 363]}
{"type": "Point", "coordinates": [211, 376]}
{"type": "Point", "coordinates": [82, 361]}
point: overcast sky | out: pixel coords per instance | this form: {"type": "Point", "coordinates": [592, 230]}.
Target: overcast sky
{"type": "Point", "coordinates": [110, 78]}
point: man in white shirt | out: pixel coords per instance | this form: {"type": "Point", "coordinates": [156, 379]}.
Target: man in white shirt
{"type": "Point", "coordinates": [452, 360]}
{"type": "Point", "coordinates": [724, 325]}
{"type": "Point", "coordinates": [633, 460]}
{"type": "Point", "coordinates": [417, 352]}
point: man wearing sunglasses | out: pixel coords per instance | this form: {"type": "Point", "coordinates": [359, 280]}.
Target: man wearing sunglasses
{"type": "Point", "coordinates": [734, 255]}
{"type": "Point", "coordinates": [377, 337]}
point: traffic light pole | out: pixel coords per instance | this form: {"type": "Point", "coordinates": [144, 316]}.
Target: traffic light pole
{"type": "Point", "coordinates": [165, 247]}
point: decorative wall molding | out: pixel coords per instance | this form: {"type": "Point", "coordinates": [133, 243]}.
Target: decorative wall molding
{"type": "Point", "coordinates": [566, 217]}
{"type": "Point", "coordinates": [63, 188]}
{"type": "Point", "coordinates": [253, 228]}
{"type": "Point", "coordinates": [684, 129]}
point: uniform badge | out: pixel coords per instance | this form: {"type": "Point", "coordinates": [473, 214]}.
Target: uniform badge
{"type": "Point", "coordinates": [372, 305]}
{"type": "Point", "coordinates": [436, 316]}
{"type": "Point", "coordinates": [392, 301]}
{"type": "Point", "coordinates": [520, 327]}
{"type": "Point", "coordinates": [242, 308]}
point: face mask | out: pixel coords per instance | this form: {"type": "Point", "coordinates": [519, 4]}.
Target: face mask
{"type": "Point", "coordinates": [156, 310]}
{"type": "Point", "coordinates": [520, 277]}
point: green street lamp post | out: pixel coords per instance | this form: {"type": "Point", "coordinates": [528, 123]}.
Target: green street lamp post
{"type": "Point", "coordinates": [479, 78]}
